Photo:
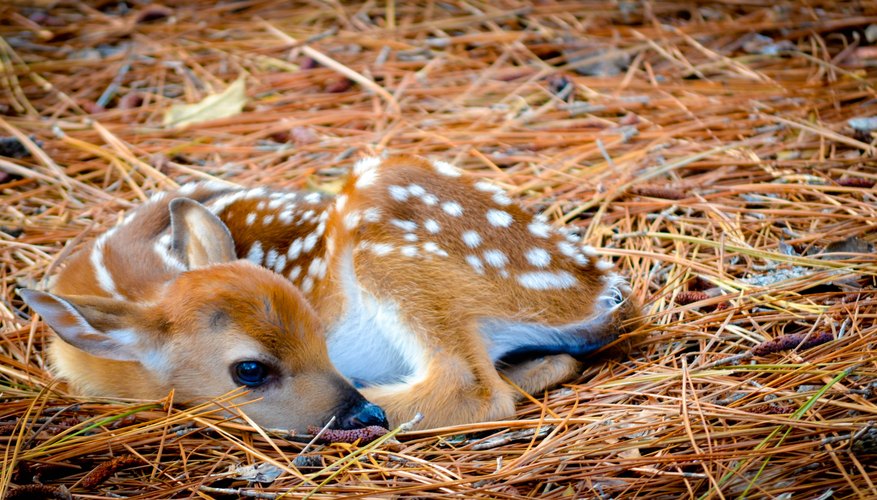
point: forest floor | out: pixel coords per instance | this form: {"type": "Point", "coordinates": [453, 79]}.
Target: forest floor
{"type": "Point", "coordinates": [723, 155]}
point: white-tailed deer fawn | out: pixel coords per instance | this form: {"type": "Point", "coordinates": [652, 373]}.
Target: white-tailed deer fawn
{"type": "Point", "coordinates": [419, 284]}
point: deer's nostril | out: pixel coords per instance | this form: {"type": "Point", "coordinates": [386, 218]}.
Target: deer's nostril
{"type": "Point", "coordinates": [364, 415]}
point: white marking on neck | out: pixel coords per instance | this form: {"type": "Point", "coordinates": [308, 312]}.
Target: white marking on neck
{"type": "Point", "coordinates": [102, 273]}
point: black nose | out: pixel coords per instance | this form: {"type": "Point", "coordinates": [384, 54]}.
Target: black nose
{"type": "Point", "coordinates": [362, 415]}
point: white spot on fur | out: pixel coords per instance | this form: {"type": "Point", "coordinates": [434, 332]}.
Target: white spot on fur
{"type": "Point", "coordinates": [372, 214]}
{"type": "Point", "coordinates": [495, 258]}
{"type": "Point", "coordinates": [256, 254]}
{"type": "Point", "coordinates": [405, 225]}
{"type": "Point", "coordinates": [410, 237]}
{"type": "Point", "coordinates": [280, 265]}
{"type": "Point", "coordinates": [307, 284]}
{"type": "Point", "coordinates": [446, 168]}
{"type": "Point", "coordinates": [566, 248]}
{"type": "Point", "coordinates": [539, 229]}
{"type": "Point", "coordinates": [314, 268]}
{"type": "Point", "coordinates": [499, 218]}
{"type": "Point", "coordinates": [321, 228]}
{"type": "Point", "coordinates": [313, 198]}
{"type": "Point", "coordinates": [398, 193]}
{"type": "Point", "coordinates": [294, 249]}
{"type": "Point", "coordinates": [268, 220]}
{"type": "Point", "coordinates": [251, 218]}
{"type": "Point", "coordinates": [351, 219]}
{"type": "Point", "coordinates": [604, 265]}
{"type": "Point", "coordinates": [431, 226]}
{"type": "Point", "coordinates": [340, 201]}
{"type": "Point", "coordinates": [452, 208]}
{"type": "Point", "coordinates": [589, 251]}
{"type": "Point", "coordinates": [432, 247]}
{"type": "Point", "coordinates": [271, 258]}
{"type": "Point", "coordinates": [381, 248]}
{"type": "Point", "coordinates": [416, 190]}
{"type": "Point", "coordinates": [294, 273]}
{"type": "Point", "coordinates": [487, 187]}
{"type": "Point", "coordinates": [471, 239]}
{"type": "Point", "coordinates": [538, 257]}
{"type": "Point", "coordinates": [261, 205]}
{"type": "Point", "coordinates": [286, 216]}
{"type": "Point", "coordinates": [309, 242]}
{"type": "Point", "coordinates": [545, 280]}
{"type": "Point", "coordinates": [409, 251]}
{"type": "Point", "coordinates": [501, 199]}
{"type": "Point", "coordinates": [429, 199]}
{"type": "Point", "coordinates": [476, 263]}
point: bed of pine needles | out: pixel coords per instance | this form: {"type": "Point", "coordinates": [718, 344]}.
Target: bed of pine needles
{"type": "Point", "coordinates": [722, 154]}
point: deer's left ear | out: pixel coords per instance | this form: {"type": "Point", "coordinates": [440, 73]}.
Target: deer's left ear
{"type": "Point", "coordinates": [99, 326]}
{"type": "Point", "coordinates": [199, 237]}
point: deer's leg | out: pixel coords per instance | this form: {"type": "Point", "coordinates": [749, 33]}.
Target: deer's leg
{"type": "Point", "coordinates": [456, 383]}
{"type": "Point", "coordinates": [536, 375]}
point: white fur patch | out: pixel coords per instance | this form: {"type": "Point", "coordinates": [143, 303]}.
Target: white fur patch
{"type": "Point", "coordinates": [446, 168]}
{"type": "Point", "coordinates": [539, 229]}
{"type": "Point", "coordinates": [452, 208]}
{"type": "Point", "coordinates": [431, 226]}
{"type": "Point", "coordinates": [538, 257]}
{"type": "Point", "coordinates": [102, 273]}
{"type": "Point", "coordinates": [476, 263]}
{"type": "Point", "coordinates": [256, 254]}
{"type": "Point", "coordinates": [370, 342]}
{"type": "Point", "coordinates": [545, 280]}
{"type": "Point", "coordinates": [405, 225]}
{"type": "Point", "coordinates": [398, 193]}
{"type": "Point", "coordinates": [499, 218]}
{"type": "Point", "coordinates": [495, 258]}
{"type": "Point", "coordinates": [471, 238]}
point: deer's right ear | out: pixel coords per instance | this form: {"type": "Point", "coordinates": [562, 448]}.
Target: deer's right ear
{"type": "Point", "coordinates": [98, 326]}
{"type": "Point", "coordinates": [199, 237]}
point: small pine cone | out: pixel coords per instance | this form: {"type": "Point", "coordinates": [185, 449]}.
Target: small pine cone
{"type": "Point", "coordinates": [659, 192]}
{"type": "Point", "coordinates": [103, 471]}
{"type": "Point", "coordinates": [790, 341]}
{"type": "Point", "coordinates": [37, 491]}
{"type": "Point", "coordinates": [858, 182]}
{"type": "Point", "coordinates": [683, 298]}
{"type": "Point", "coordinates": [364, 435]}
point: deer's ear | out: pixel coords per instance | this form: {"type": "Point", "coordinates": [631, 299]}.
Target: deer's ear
{"type": "Point", "coordinates": [199, 237]}
{"type": "Point", "coordinates": [98, 326]}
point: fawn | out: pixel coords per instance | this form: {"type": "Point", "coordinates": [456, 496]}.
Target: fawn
{"type": "Point", "coordinates": [415, 289]}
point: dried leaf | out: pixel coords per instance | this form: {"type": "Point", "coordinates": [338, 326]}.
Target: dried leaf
{"type": "Point", "coordinates": [258, 473]}
{"type": "Point", "coordinates": [213, 107]}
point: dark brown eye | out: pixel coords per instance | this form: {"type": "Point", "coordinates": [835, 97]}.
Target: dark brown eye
{"type": "Point", "coordinates": [250, 373]}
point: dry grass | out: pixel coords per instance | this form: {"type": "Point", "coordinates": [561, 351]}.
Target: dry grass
{"type": "Point", "coordinates": [708, 150]}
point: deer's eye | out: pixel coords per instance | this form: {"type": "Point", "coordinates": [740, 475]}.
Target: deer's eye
{"type": "Point", "coordinates": [250, 373]}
